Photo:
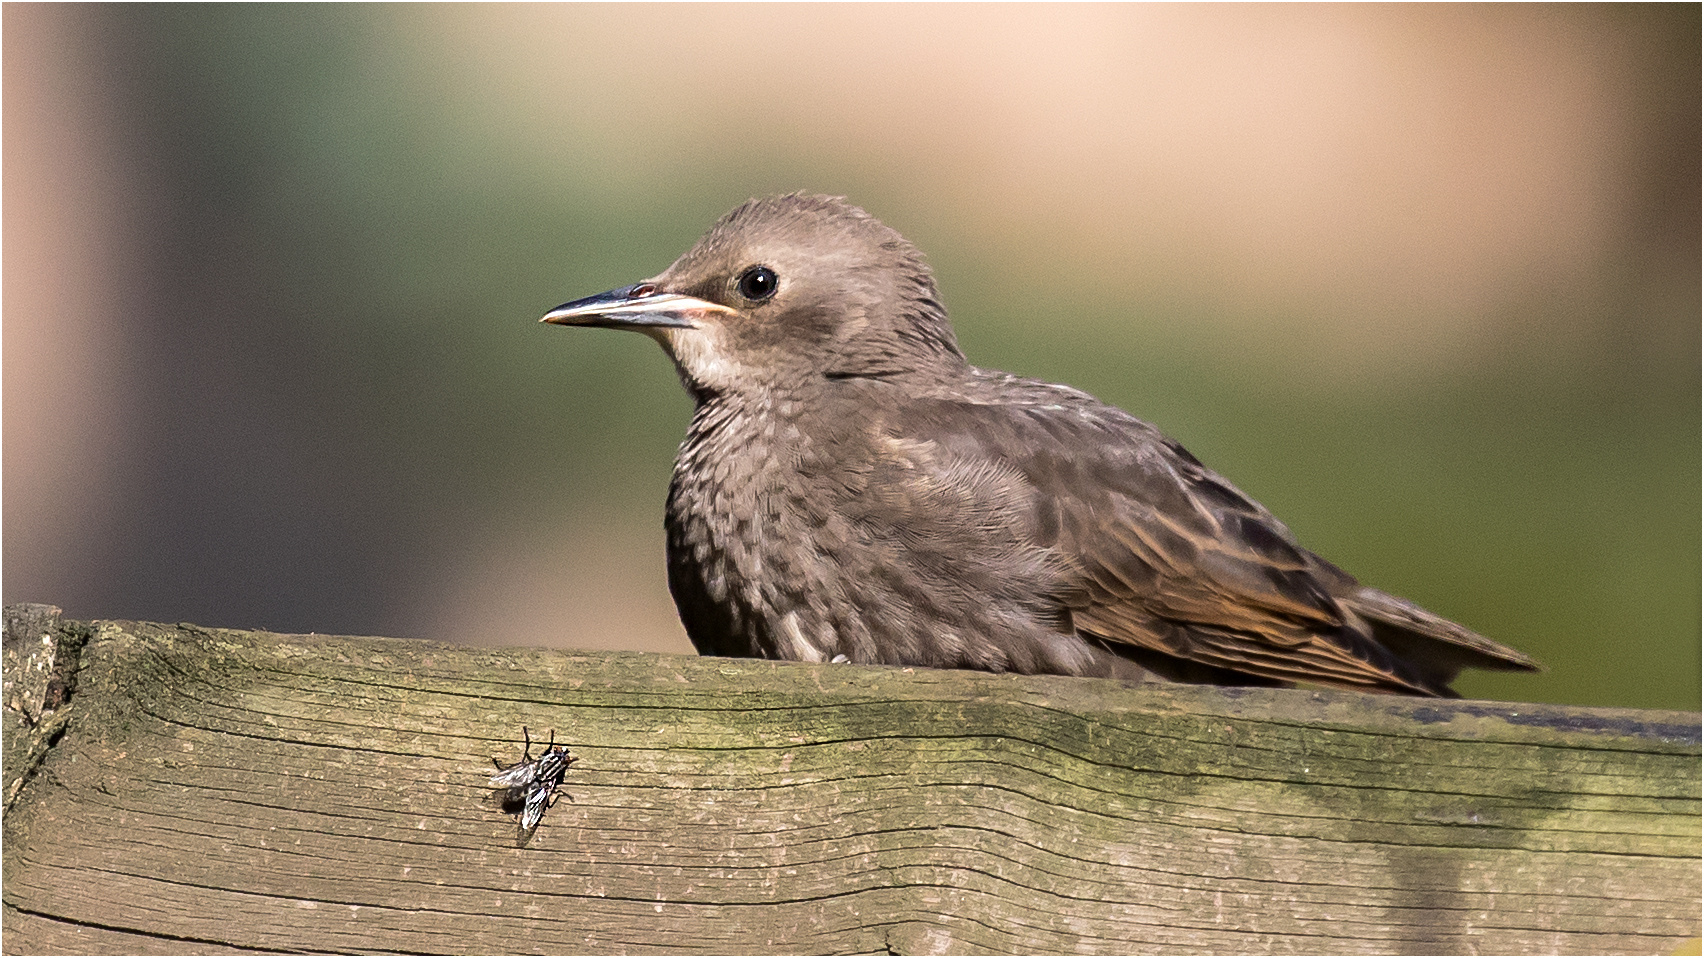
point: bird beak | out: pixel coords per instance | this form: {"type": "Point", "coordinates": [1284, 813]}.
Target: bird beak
{"type": "Point", "coordinates": [634, 307]}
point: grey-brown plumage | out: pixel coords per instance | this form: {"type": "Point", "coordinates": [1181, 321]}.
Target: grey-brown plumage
{"type": "Point", "coordinates": [851, 486]}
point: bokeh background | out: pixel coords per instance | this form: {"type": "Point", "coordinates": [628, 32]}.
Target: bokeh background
{"type": "Point", "coordinates": [1424, 280]}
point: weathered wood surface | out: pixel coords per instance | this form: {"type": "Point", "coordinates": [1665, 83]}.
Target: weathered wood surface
{"type": "Point", "coordinates": [213, 791]}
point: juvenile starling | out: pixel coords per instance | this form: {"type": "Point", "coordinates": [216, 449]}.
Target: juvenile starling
{"type": "Point", "coordinates": [852, 489]}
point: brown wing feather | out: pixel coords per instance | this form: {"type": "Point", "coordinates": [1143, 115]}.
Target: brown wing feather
{"type": "Point", "coordinates": [1167, 557]}
{"type": "Point", "coordinates": [1235, 590]}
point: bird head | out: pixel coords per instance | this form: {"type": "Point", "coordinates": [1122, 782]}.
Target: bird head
{"type": "Point", "coordinates": [783, 290]}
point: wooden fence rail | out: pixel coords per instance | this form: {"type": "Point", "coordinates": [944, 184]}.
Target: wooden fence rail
{"type": "Point", "coordinates": [213, 791]}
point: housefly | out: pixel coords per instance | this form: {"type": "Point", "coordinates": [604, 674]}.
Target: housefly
{"type": "Point", "coordinates": [531, 783]}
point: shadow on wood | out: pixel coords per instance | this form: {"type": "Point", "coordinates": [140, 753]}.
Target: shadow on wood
{"type": "Point", "coordinates": [202, 790]}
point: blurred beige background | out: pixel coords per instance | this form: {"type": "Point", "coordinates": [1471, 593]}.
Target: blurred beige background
{"type": "Point", "coordinates": [1425, 280]}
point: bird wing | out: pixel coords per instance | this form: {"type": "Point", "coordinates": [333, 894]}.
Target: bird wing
{"type": "Point", "coordinates": [1161, 555]}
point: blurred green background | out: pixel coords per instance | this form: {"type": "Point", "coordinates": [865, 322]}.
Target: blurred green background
{"type": "Point", "coordinates": [1424, 280]}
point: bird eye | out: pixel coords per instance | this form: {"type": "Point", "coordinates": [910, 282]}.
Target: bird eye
{"type": "Point", "coordinates": [758, 283]}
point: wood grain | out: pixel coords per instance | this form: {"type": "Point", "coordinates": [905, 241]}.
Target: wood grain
{"type": "Point", "coordinates": [212, 791]}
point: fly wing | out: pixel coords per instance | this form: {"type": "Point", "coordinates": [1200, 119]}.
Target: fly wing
{"type": "Point", "coordinates": [538, 799]}
{"type": "Point", "coordinates": [516, 775]}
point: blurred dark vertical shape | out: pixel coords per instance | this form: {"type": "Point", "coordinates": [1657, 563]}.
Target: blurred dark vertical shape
{"type": "Point", "coordinates": [1663, 240]}
{"type": "Point", "coordinates": [255, 495]}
